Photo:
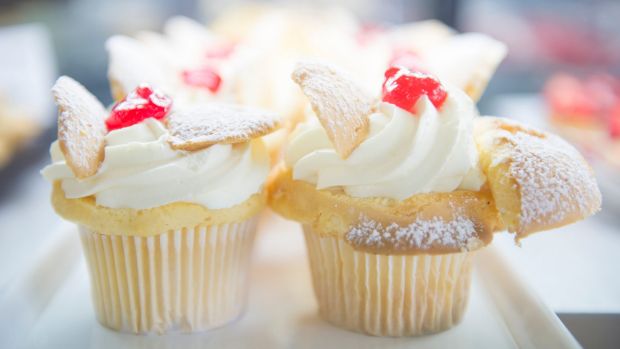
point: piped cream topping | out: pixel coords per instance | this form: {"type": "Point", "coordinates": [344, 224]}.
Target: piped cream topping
{"type": "Point", "coordinates": [141, 171]}
{"type": "Point", "coordinates": [403, 155]}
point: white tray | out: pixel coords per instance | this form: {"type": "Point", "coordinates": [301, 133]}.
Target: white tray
{"type": "Point", "coordinates": [49, 306]}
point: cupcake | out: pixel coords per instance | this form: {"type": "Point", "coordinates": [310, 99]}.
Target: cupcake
{"type": "Point", "coordinates": [166, 198]}
{"type": "Point", "coordinates": [396, 195]}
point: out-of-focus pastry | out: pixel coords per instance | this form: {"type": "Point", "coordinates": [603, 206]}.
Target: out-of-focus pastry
{"type": "Point", "coordinates": [465, 60]}
{"type": "Point", "coordinates": [195, 65]}
{"type": "Point", "coordinates": [187, 61]}
{"type": "Point", "coordinates": [587, 112]}
{"type": "Point", "coordinates": [16, 128]}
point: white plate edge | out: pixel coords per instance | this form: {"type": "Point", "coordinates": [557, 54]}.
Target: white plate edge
{"type": "Point", "coordinates": [517, 302]}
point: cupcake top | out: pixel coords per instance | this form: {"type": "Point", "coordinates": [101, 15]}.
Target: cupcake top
{"type": "Point", "coordinates": [419, 140]}
{"type": "Point", "coordinates": [419, 172]}
{"type": "Point", "coordinates": [147, 152]}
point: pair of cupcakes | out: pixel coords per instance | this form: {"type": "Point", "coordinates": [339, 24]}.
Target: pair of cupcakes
{"type": "Point", "coordinates": [394, 197]}
{"type": "Point", "coordinates": [395, 194]}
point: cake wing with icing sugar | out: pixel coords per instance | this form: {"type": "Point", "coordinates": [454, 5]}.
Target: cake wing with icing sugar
{"type": "Point", "coordinates": [340, 104]}
{"type": "Point", "coordinates": [537, 179]}
{"type": "Point", "coordinates": [81, 127]}
{"type": "Point", "coordinates": [199, 127]}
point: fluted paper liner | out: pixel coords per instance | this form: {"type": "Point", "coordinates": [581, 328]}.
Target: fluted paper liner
{"type": "Point", "coordinates": [387, 295]}
{"type": "Point", "coordinates": [186, 280]}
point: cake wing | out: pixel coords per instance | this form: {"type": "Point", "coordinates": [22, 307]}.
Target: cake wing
{"type": "Point", "coordinates": [202, 126]}
{"type": "Point", "coordinates": [81, 128]}
{"type": "Point", "coordinates": [341, 106]}
{"type": "Point", "coordinates": [538, 180]}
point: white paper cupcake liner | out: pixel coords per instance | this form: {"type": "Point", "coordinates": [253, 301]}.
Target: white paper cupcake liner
{"type": "Point", "coordinates": [387, 295]}
{"type": "Point", "coordinates": [186, 280]}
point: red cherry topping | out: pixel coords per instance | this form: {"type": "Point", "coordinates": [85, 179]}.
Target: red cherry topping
{"type": "Point", "coordinates": [142, 103]}
{"type": "Point", "coordinates": [403, 88]}
{"type": "Point", "coordinates": [407, 59]}
{"type": "Point", "coordinates": [204, 77]}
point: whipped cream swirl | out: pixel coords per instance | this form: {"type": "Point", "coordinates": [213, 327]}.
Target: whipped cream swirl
{"type": "Point", "coordinates": [403, 155]}
{"type": "Point", "coordinates": [141, 171]}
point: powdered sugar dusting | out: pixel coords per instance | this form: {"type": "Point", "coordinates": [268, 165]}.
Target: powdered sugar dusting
{"type": "Point", "coordinates": [199, 127]}
{"type": "Point", "coordinates": [341, 106]}
{"type": "Point", "coordinates": [555, 181]}
{"type": "Point", "coordinates": [423, 234]}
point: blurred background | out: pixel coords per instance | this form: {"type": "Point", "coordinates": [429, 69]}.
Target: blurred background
{"type": "Point", "coordinates": [544, 37]}
{"type": "Point", "coordinates": [561, 73]}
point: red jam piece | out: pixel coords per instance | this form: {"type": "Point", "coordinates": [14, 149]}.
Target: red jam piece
{"type": "Point", "coordinates": [204, 77]}
{"type": "Point", "coordinates": [407, 59]}
{"type": "Point", "coordinates": [403, 88]}
{"type": "Point", "coordinates": [142, 103]}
